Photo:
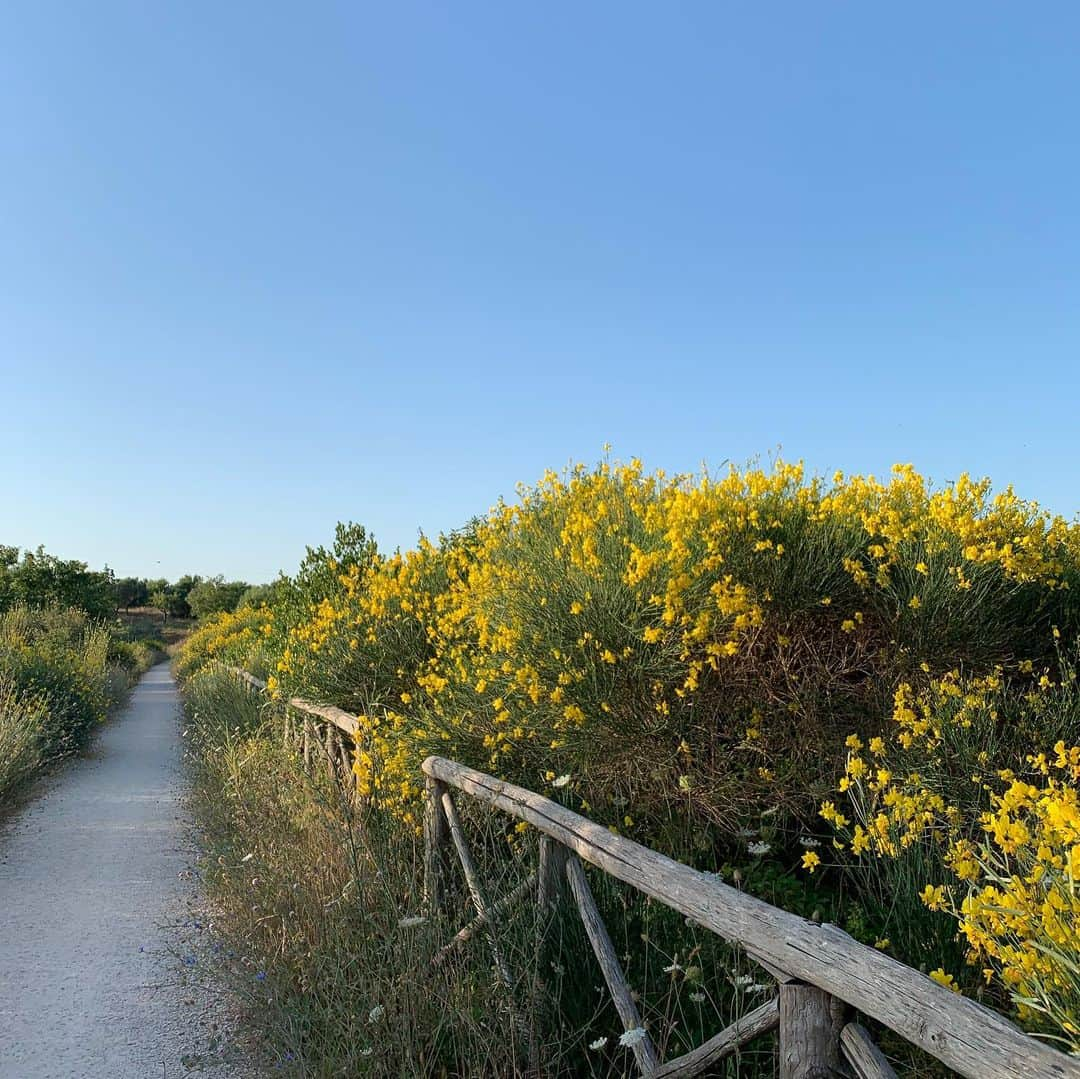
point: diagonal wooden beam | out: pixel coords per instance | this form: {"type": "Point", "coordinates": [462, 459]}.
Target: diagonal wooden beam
{"type": "Point", "coordinates": [865, 1058]}
{"type": "Point", "coordinates": [752, 1025]}
{"type": "Point", "coordinates": [644, 1051]}
{"type": "Point", "coordinates": [472, 879]}
{"type": "Point", "coordinates": [482, 921]}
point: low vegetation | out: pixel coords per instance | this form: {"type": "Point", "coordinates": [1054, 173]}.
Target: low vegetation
{"type": "Point", "coordinates": [852, 697]}
{"type": "Point", "coordinates": [318, 898]}
{"type": "Point", "coordinates": [60, 674]}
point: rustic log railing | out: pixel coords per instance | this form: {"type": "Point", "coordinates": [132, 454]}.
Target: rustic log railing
{"type": "Point", "coordinates": [823, 975]}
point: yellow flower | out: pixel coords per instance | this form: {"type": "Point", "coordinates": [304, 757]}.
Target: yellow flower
{"type": "Point", "coordinates": [810, 861]}
{"type": "Point", "coordinates": [933, 896]}
{"type": "Point", "coordinates": [944, 979]}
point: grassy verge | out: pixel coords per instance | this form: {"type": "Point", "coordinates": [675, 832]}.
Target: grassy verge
{"type": "Point", "coordinates": [319, 906]}
{"type": "Point", "coordinates": [60, 674]}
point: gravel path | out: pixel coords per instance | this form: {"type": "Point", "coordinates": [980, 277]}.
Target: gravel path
{"type": "Point", "coordinates": [101, 944]}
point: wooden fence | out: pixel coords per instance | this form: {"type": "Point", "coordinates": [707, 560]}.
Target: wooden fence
{"type": "Point", "coordinates": [823, 975]}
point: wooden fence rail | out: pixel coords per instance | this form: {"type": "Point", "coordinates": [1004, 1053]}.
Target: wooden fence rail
{"type": "Point", "coordinates": [823, 974]}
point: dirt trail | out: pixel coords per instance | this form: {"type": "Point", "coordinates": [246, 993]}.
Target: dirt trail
{"type": "Point", "coordinates": [103, 967]}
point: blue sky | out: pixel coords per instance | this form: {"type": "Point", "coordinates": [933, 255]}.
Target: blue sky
{"type": "Point", "coordinates": [265, 266]}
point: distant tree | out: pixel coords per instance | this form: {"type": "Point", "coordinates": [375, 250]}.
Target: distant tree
{"type": "Point", "coordinates": [259, 594]}
{"type": "Point", "coordinates": [9, 558]}
{"type": "Point", "coordinates": [39, 579]}
{"type": "Point", "coordinates": [159, 599]}
{"type": "Point", "coordinates": [215, 595]}
{"type": "Point", "coordinates": [178, 593]}
{"type": "Point", "coordinates": [172, 599]}
{"type": "Point", "coordinates": [131, 592]}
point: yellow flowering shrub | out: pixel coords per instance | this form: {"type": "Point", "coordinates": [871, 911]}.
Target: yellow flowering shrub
{"type": "Point", "coordinates": [992, 829]}
{"type": "Point", "coordinates": [696, 644]}
{"type": "Point", "coordinates": [685, 656]}
{"type": "Point", "coordinates": [1021, 914]}
{"type": "Point", "coordinates": [231, 638]}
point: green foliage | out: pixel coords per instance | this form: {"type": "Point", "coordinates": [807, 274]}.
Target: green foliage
{"type": "Point", "coordinates": [39, 579]}
{"type": "Point", "coordinates": [131, 592]}
{"type": "Point", "coordinates": [215, 595]}
{"type": "Point", "coordinates": [58, 655]}
{"type": "Point", "coordinates": [172, 599]}
{"type": "Point", "coordinates": [319, 575]}
{"type": "Point", "coordinates": [260, 595]}
{"type": "Point", "coordinates": [23, 715]}
{"type": "Point", "coordinates": [60, 673]}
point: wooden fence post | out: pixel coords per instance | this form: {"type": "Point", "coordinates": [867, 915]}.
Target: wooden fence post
{"type": "Point", "coordinates": [552, 890]}
{"type": "Point", "coordinates": [345, 759]}
{"type": "Point", "coordinates": [551, 884]}
{"type": "Point", "coordinates": [436, 845]}
{"type": "Point", "coordinates": [330, 750]}
{"type": "Point", "coordinates": [307, 742]}
{"type": "Point", "coordinates": [810, 1024]}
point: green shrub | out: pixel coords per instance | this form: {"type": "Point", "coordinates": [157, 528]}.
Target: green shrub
{"type": "Point", "coordinates": [61, 673]}
{"type": "Point", "coordinates": [22, 723]}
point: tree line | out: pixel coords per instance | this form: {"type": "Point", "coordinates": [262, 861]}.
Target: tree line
{"type": "Point", "coordinates": [39, 579]}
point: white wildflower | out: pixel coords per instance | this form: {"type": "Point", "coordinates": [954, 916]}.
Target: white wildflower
{"type": "Point", "coordinates": [598, 1044]}
{"type": "Point", "coordinates": [631, 1038]}
{"type": "Point", "coordinates": [376, 1013]}
{"type": "Point", "coordinates": [674, 968]}
{"type": "Point", "coordinates": [698, 998]}
{"type": "Point", "coordinates": [809, 841]}
{"type": "Point", "coordinates": [759, 848]}
{"type": "Point", "coordinates": [561, 781]}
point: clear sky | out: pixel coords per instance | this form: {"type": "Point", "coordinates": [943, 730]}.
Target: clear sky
{"type": "Point", "coordinates": [267, 266]}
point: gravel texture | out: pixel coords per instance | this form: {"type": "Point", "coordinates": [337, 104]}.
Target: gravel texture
{"type": "Point", "coordinates": [103, 950]}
